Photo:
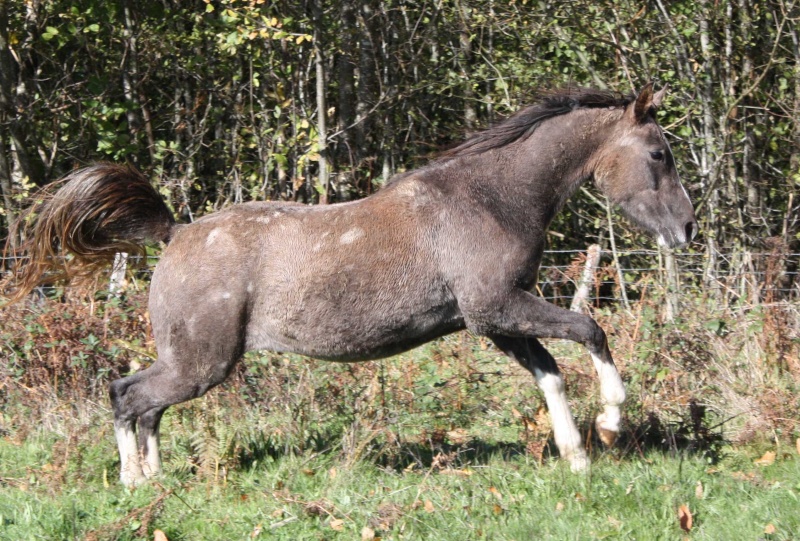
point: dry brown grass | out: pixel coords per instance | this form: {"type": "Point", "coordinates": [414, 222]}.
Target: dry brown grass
{"type": "Point", "coordinates": [714, 375]}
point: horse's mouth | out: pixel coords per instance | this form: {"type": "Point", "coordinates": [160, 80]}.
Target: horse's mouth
{"type": "Point", "coordinates": [671, 243]}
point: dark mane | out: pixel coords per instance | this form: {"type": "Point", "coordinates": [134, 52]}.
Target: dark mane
{"type": "Point", "coordinates": [522, 124]}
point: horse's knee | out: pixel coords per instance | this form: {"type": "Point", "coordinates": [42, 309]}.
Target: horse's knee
{"type": "Point", "coordinates": [592, 335]}
{"type": "Point", "coordinates": [117, 391]}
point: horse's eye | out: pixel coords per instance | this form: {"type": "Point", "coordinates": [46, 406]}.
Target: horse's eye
{"type": "Point", "coordinates": [657, 155]}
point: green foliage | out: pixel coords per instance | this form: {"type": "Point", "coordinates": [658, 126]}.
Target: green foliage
{"type": "Point", "coordinates": [218, 99]}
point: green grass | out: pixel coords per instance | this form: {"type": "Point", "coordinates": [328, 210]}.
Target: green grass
{"type": "Point", "coordinates": [46, 495]}
{"type": "Point", "coordinates": [448, 442]}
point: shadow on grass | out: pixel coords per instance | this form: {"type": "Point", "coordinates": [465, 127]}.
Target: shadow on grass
{"type": "Point", "coordinates": [692, 435]}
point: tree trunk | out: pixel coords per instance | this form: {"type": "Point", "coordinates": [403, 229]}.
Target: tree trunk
{"type": "Point", "coordinates": [12, 95]}
{"type": "Point", "coordinates": [465, 49]}
{"type": "Point", "coordinates": [322, 108]}
{"type": "Point", "coordinates": [367, 90]}
{"type": "Point", "coordinates": [709, 170]}
{"type": "Point", "coordinates": [5, 92]}
{"type": "Point", "coordinates": [131, 84]}
{"type": "Point", "coordinates": [346, 71]}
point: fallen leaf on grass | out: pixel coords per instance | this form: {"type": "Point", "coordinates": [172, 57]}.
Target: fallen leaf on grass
{"type": "Point", "coordinates": [337, 524]}
{"type": "Point", "coordinates": [769, 529]}
{"type": "Point", "coordinates": [698, 490]}
{"type": "Point", "coordinates": [367, 534]}
{"type": "Point", "coordinates": [452, 471]}
{"type": "Point", "coordinates": [387, 515]}
{"type": "Point", "coordinates": [496, 493]}
{"type": "Point", "coordinates": [318, 508]}
{"type": "Point", "coordinates": [766, 460]}
{"type": "Point", "coordinates": [429, 506]}
{"type": "Point", "coordinates": [158, 535]}
{"type": "Point", "coordinates": [685, 518]}
{"type": "Point", "coordinates": [742, 476]}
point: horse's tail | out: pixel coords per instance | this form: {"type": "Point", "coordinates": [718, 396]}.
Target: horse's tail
{"type": "Point", "coordinates": [97, 212]}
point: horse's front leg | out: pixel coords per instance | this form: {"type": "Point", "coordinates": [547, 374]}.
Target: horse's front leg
{"type": "Point", "coordinates": [523, 315]}
{"type": "Point", "coordinates": [535, 358]}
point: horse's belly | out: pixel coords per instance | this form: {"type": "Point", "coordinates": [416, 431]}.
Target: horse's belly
{"type": "Point", "coordinates": [343, 335]}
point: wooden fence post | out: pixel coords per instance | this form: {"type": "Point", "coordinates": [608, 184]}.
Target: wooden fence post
{"type": "Point", "coordinates": [580, 300]}
{"type": "Point", "coordinates": [117, 280]}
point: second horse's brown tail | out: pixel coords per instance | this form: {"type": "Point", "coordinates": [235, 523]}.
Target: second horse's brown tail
{"type": "Point", "coordinates": [97, 212]}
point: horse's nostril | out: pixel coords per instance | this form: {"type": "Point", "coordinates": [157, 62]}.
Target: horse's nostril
{"type": "Point", "coordinates": [691, 230]}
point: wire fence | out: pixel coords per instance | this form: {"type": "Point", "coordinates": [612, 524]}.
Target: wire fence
{"type": "Point", "coordinates": [751, 276]}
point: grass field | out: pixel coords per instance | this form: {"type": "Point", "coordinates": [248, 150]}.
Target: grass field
{"type": "Point", "coordinates": [450, 441]}
{"type": "Point", "coordinates": [317, 496]}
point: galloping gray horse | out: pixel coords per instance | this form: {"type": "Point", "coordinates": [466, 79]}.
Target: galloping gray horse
{"type": "Point", "coordinates": [453, 245]}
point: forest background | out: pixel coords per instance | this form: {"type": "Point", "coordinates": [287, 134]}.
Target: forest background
{"type": "Point", "coordinates": [234, 100]}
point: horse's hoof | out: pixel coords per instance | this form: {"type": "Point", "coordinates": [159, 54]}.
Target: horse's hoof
{"type": "Point", "coordinates": [607, 432]}
{"type": "Point", "coordinates": [151, 473]}
{"type": "Point", "coordinates": [131, 480]}
{"type": "Point", "coordinates": [580, 463]}
{"type": "Point", "coordinates": [608, 437]}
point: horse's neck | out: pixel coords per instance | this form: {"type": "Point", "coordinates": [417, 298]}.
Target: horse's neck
{"type": "Point", "coordinates": [531, 180]}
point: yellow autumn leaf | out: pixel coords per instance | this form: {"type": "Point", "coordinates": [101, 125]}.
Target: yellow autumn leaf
{"type": "Point", "coordinates": [766, 460]}
{"type": "Point", "coordinates": [698, 490]}
{"type": "Point", "coordinates": [453, 471]}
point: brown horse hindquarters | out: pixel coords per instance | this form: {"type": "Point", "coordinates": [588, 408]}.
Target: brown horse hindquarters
{"type": "Point", "coordinates": [342, 282]}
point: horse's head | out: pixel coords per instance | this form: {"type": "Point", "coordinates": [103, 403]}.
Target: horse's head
{"type": "Point", "coordinates": [635, 169]}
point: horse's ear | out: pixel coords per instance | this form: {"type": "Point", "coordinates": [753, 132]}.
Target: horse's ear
{"type": "Point", "coordinates": [658, 97]}
{"type": "Point", "coordinates": [644, 103]}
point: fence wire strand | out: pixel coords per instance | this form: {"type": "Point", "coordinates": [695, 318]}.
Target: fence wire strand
{"type": "Point", "coordinates": [744, 273]}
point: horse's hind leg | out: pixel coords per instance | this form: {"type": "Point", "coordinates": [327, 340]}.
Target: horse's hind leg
{"type": "Point", "coordinates": [143, 398]}
{"type": "Point", "coordinates": [150, 442]}
{"type": "Point", "coordinates": [131, 473]}
{"type": "Point", "coordinates": [535, 358]}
